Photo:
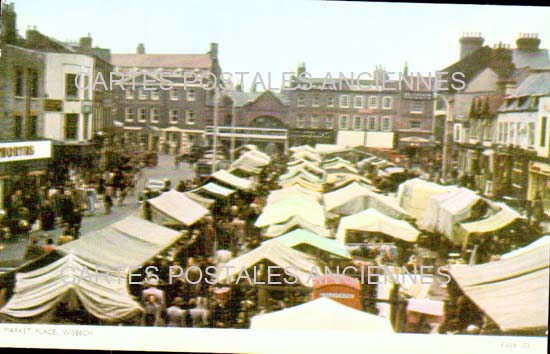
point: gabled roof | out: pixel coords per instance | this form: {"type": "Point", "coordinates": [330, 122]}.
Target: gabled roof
{"type": "Point", "coordinates": [243, 98]}
{"type": "Point", "coordinates": [200, 61]}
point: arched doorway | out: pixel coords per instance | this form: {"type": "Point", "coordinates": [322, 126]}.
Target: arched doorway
{"type": "Point", "coordinates": [267, 122]}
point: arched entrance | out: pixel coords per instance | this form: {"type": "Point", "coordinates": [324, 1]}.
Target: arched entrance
{"type": "Point", "coordinates": [267, 122]}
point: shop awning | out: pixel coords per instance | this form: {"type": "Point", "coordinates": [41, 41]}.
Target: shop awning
{"type": "Point", "coordinates": [322, 314]}
{"type": "Point", "coordinates": [511, 290]}
{"type": "Point", "coordinates": [540, 167]}
{"type": "Point", "coordinates": [232, 180]}
{"type": "Point", "coordinates": [38, 292]}
{"type": "Point", "coordinates": [177, 206]}
{"type": "Point", "coordinates": [300, 237]}
{"type": "Point", "coordinates": [297, 264]}
{"type": "Point", "coordinates": [373, 221]}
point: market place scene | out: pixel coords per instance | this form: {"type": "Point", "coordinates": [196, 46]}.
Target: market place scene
{"type": "Point", "coordinates": [236, 208]}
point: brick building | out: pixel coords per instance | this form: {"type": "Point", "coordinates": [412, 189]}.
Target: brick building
{"type": "Point", "coordinates": [161, 119]}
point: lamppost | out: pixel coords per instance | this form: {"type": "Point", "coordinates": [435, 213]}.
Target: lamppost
{"type": "Point", "coordinates": [215, 135]}
{"type": "Point", "coordinates": [447, 136]}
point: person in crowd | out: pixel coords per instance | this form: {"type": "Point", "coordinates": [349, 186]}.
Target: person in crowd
{"type": "Point", "coordinates": [33, 250]}
{"type": "Point", "coordinates": [47, 216]}
{"type": "Point", "coordinates": [175, 316]}
{"type": "Point", "coordinates": [48, 246]}
{"type": "Point", "coordinates": [108, 199]}
{"type": "Point", "coordinates": [76, 222]}
{"type": "Point", "coordinates": [220, 314]}
{"type": "Point", "coordinates": [151, 313]}
{"type": "Point", "coordinates": [154, 291]}
{"type": "Point", "coordinates": [198, 312]}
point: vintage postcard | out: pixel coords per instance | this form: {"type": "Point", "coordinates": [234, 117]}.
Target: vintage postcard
{"type": "Point", "coordinates": [274, 176]}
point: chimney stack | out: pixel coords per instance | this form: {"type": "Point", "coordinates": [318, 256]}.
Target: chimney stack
{"type": "Point", "coordinates": [85, 43]}
{"type": "Point", "coordinates": [469, 43]}
{"type": "Point", "coordinates": [528, 41]}
{"type": "Point", "coordinates": [213, 51]}
{"type": "Point", "coordinates": [140, 48]}
{"type": "Point", "coordinates": [9, 28]}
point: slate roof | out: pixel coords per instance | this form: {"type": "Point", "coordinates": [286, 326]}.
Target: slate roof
{"type": "Point", "coordinates": [201, 61]}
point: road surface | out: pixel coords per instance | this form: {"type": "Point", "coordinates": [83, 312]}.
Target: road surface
{"type": "Point", "coordinates": [12, 251]}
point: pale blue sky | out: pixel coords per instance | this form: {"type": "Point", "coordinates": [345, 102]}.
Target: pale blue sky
{"type": "Point", "coordinates": [274, 36]}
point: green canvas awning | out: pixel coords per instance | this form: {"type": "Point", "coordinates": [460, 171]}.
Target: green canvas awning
{"type": "Point", "coordinates": [304, 237]}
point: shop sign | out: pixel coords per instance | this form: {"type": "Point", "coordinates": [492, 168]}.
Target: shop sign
{"type": "Point", "coordinates": [25, 150]}
{"type": "Point", "coordinates": [53, 105]}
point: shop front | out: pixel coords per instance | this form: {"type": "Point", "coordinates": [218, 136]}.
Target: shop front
{"type": "Point", "coordinates": [23, 170]}
{"type": "Point", "coordinates": [539, 184]}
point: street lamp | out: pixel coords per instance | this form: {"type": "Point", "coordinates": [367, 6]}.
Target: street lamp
{"type": "Point", "coordinates": [447, 135]}
{"type": "Point", "coordinates": [215, 135]}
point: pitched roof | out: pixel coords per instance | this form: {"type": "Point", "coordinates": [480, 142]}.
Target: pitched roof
{"type": "Point", "coordinates": [534, 59]}
{"type": "Point", "coordinates": [534, 84]}
{"type": "Point", "coordinates": [201, 61]}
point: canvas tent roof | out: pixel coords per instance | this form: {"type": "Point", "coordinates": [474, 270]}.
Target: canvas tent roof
{"type": "Point", "coordinates": [445, 210]}
{"type": "Point", "coordinates": [414, 195]}
{"type": "Point", "coordinates": [511, 290]}
{"type": "Point", "coordinates": [205, 202]}
{"type": "Point", "coordinates": [128, 243]}
{"type": "Point", "coordinates": [315, 187]}
{"type": "Point", "coordinates": [322, 314]}
{"type": "Point", "coordinates": [302, 161]}
{"type": "Point", "coordinates": [177, 206]}
{"type": "Point", "coordinates": [366, 161]}
{"type": "Point", "coordinates": [302, 148]}
{"type": "Point", "coordinates": [300, 265]}
{"type": "Point", "coordinates": [339, 179]}
{"type": "Point", "coordinates": [245, 164]}
{"type": "Point", "coordinates": [258, 155]}
{"type": "Point", "coordinates": [302, 174]}
{"type": "Point", "coordinates": [215, 189]}
{"type": "Point", "coordinates": [311, 156]}
{"type": "Point", "coordinates": [38, 292]}
{"type": "Point", "coordinates": [307, 166]}
{"type": "Point", "coordinates": [330, 148]}
{"type": "Point", "coordinates": [232, 180]}
{"type": "Point", "coordinates": [301, 236]}
{"type": "Point", "coordinates": [504, 217]}
{"type": "Point", "coordinates": [339, 165]}
{"type": "Point", "coordinates": [280, 211]}
{"type": "Point", "coordinates": [374, 221]}
{"type": "Point", "coordinates": [280, 194]}
{"type": "Point", "coordinates": [356, 197]}
{"type": "Point", "coordinates": [295, 221]}
{"type": "Point", "coordinates": [541, 241]}
{"type": "Point", "coordinates": [335, 159]}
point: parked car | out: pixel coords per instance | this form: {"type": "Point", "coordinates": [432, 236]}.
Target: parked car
{"type": "Point", "coordinates": [155, 186]}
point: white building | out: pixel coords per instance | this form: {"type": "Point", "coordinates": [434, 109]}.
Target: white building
{"type": "Point", "coordinates": [523, 123]}
{"type": "Point", "coordinates": [68, 109]}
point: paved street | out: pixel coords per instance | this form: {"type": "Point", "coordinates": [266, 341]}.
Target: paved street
{"type": "Point", "coordinates": [11, 252]}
